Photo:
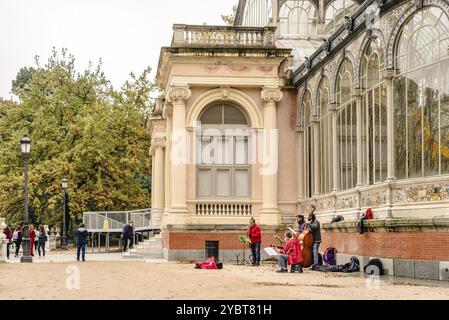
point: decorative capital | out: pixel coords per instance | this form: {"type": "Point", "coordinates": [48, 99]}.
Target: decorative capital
{"type": "Point", "coordinates": [158, 143]}
{"type": "Point", "coordinates": [271, 94]}
{"type": "Point", "coordinates": [178, 93]}
{"type": "Point", "coordinates": [388, 74]}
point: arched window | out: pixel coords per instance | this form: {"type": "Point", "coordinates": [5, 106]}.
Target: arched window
{"type": "Point", "coordinates": [374, 114]}
{"type": "Point", "coordinates": [335, 13]}
{"type": "Point", "coordinates": [223, 166]}
{"type": "Point", "coordinates": [298, 18]}
{"type": "Point", "coordinates": [422, 95]}
{"type": "Point", "coordinates": [306, 108]}
{"type": "Point", "coordinates": [346, 127]}
{"type": "Point", "coordinates": [326, 175]}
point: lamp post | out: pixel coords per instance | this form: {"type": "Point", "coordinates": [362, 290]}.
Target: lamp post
{"type": "Point", "coordinates": [25, 144]}
{"type": "Point", "coordinates": [64, 185]}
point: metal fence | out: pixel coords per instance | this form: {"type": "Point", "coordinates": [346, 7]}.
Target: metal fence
{"type": "Point", "coordinates": [113, 221]}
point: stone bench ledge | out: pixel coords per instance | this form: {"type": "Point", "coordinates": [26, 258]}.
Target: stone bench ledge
{"type": "Point", "coordinates": [392, 225]}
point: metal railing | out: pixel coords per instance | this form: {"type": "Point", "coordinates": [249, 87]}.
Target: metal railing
{"type": "Point", "coordinates": [222, 36]}
{"type": "Point", "coordinates": [113, 221]}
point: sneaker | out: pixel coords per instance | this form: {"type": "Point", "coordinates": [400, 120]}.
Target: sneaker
{"type": "Point", "coordinates": [282, 271]}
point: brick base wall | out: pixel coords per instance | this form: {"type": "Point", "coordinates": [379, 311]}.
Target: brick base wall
{"type": "Point", "coordinates": [406, 245]}
{"type": "Point", "coordinates": [196, 240]}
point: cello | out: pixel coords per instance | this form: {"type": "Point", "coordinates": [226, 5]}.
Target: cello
{"type": "Point", "coordinates": [307, 241]}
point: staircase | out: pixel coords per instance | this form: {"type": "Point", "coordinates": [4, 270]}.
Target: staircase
{"type": "Point", "coordinates": [148, 250]}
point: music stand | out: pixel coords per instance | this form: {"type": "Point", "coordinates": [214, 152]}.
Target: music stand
{"type": "Point", "coordinates": [245, 241]}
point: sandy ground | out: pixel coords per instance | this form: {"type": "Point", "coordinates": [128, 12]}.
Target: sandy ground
{"type": "Point", "coordinates": [121, 280]}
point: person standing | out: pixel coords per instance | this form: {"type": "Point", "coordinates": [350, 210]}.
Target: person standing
{"type": "Point", "coordinates": [42, 239]}
{"type": "Point", "coordinates": [17, 239]}
{"type": "Point", "coordinates": [8, 234]}
{"type": "Point", "coordinates": [127, 235]}
{"type": "Point", "coordinates": [315, 228]}
{"type": "Point", "coordinates": [255, 236]}
{"type": "Point", "coordinates": [81, 242]}
{"type": "Point", "coordinates": [32, 239]}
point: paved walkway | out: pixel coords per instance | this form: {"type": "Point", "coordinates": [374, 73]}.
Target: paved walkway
{"type": "Point", "coordinates": [70, 256]}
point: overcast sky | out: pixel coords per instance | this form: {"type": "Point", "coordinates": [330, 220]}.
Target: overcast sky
{"type": "Point", "coordinates": [126, 34]}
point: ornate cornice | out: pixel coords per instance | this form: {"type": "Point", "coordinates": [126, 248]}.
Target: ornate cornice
{"type": "Point", "coordinates": [178, 93]}
{"type": "Point", "coordinates": [271, 94]}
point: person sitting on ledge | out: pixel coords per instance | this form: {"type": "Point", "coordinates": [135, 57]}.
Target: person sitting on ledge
{"type": "Point", "coordinates": [290, 255]}
{"type": "Point", "coordinates": [367, 216]}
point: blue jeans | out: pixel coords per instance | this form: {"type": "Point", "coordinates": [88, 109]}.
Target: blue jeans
{"type": "Point", "coordinates": [255, 251]}
{"type": "Point", "coordinates": [81, 247]}
{"type": "Point", "coordinates": [316, 248]}
{"type": "Point", "coordinates": [283, 261]}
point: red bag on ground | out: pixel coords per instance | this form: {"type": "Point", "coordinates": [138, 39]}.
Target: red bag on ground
{"type": "Point", "coordinates": [209, 264]}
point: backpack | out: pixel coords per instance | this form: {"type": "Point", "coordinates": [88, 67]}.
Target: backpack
{"type": "Point", "coordinates": [209, 264]}
{"type": "Point", "coordinates": [374, 267]}
{"type": "Point", "coordinates": [352, 266]}
{"type": "Point", "coordinates": [330, 257]}
{"type": "Point", "coordinates": [338, 219]}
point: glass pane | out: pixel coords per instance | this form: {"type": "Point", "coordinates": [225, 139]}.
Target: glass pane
{"type": "Point", "coordinates": [204, 182]}
{"type": "Point", "coordinates": [241, 183]}
{"type": "Point", "coordinates": [213, 115]}
{"type": "Point", "coordinates": [415, 98]}
{"type": "Point", "coordinates": [223, 183]}
{"type": "Point", "coordinates": [445, 117]}
{"type": "Point", "coordinates": [232, 115]}
{"type": "Point", "coordinates": [400, 107]}
{"type": "Point", "coordinates": [223, 150]}
{"type": "Point", "coordinates": [431, 123]}
{"type": "Point", "coordinates": [207, 150]}
{"type": "Point", "coordinates": [241, 150]}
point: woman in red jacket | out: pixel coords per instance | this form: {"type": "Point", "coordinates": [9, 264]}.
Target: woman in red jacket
{"type": "Point", "coordinates": [255, 236]}
{"type": "Point", "coordinates": [32, 239]}
{"type": "Point", "coordinates": [290, 255]}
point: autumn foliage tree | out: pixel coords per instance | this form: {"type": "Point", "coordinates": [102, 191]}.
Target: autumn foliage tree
{"type": "Point", "coordinates": [82, 129]}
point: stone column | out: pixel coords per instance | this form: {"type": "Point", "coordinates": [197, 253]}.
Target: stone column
{"type": "Point", "coordinates": [168, 114]}
{"type": "Point", "coordinates": [335, 150]}
{"type": "Point", "coordinates": [3, 242]}
{"type": "Point", "coordinates": [359, 149]}
{"type": "Point", "coordinates": [177, 96]}
{"type": "Point", "coordinates": [316, 155]}
{"type": "Point", "coordinates": [301, 177]}
{"type": "Point", "coordinates": [158, 146]}
{"type": "Point", "coordinates": [270, 214]}
{"type": "Point", "coordinates": [389, 77]}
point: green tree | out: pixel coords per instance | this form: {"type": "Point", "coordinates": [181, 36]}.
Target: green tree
{"type": "Point", "coordinates": [82, 129]}
{"type": "Point", "coordinates": [229, 19]}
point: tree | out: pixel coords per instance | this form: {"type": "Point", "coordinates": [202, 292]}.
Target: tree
{"type": "Point", "coordinates": [230, 18]}
{"type": "Point", "coordinates": [83, 130]}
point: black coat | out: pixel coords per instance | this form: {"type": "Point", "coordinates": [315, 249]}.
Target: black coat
{"type": "Point", "coordinates": [128, 231]}
{"type": "Point", "coordinates": [81, 236]}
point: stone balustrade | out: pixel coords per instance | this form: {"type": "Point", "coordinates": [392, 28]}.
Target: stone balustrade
{"type": "Point", "coordinates": [224, 209]}
{"type": "Point", "coordinates": [222, 36]}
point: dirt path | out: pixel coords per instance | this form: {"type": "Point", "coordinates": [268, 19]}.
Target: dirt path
{"type": "Point", "coordinates": [145, 281]}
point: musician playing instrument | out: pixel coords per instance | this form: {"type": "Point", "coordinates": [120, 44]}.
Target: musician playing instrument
{"type": "Point", "coordinates": [290, 254]}
{"type": "Point", "coordinates": [315, 228]}
{"type": "Point", "coordinates": [301, 223]}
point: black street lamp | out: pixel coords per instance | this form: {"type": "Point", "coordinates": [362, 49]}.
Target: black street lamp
{"type": "Point", "coordinates": [64, 185]}
{"type": "Point", "coordinates": [25, 144]}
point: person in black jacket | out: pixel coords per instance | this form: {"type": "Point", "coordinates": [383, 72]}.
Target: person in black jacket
{"type": "Point", "coordinates": [128, 235]}
{"type": "Point", "coordinates": [81, 242]}
{"type": "Point", "coordinates": [315, 228]}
